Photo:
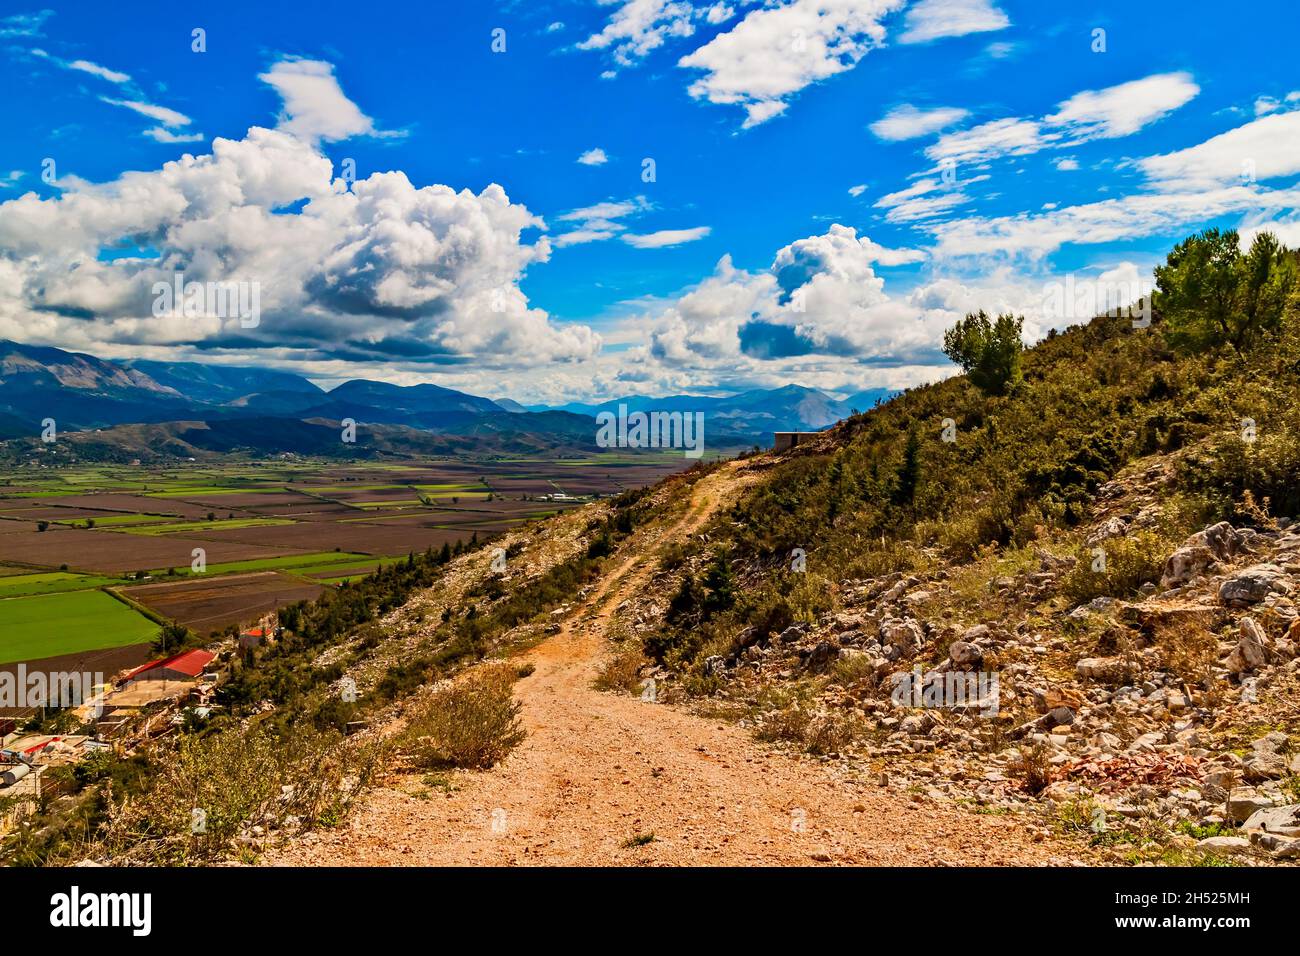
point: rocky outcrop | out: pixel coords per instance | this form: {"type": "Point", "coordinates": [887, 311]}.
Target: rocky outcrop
{"type": "Point", "coordinates": [1110, 528]}
{"type": "Point", "coordinates": [822, 656]}
{"type": "Point", "coordinates": [902, 638]}
{"type": "Point", "coordinates": [1267, 760]}
{"type": "Point", "coordinates": [1252, 650]}
{"type": "Point", "coordinates": [1284, 821]}
{"type": "Point", "coordinates": [1200, 553]}
{"type": "Point", "coordinates": [1109, 670]}
{"type": "Point", "coordinates": [1253, 584]}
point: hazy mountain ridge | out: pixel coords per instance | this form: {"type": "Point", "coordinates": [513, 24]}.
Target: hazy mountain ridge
{"type": "Point", "coordinates": [791, 407]}
{"type": "Point", "coordinates": [216, 384]}
{"type": "Point", "coordinates": [82, 392]}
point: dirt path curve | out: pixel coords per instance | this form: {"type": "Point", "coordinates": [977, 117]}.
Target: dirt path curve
{"type": "Point", "coordinates": [599, 770]}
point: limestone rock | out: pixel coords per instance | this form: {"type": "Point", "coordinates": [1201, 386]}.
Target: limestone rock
{"type": "Point", "coordinates": [1110, 528]}
{"type": "Point", "coordinates": [1098, 605]}
{"type": "Point", "coordinates": [1104, 669]}
{"type": "Point", "coordinates": [1267, 760]}
{"type": "Point", "coordinates": [1193, 557]}
{"type": "Point", "coordinates": [1244, 802]}
{"type": "Point", "coordinates": [822, 656]}
{"type": "Point", "coordinates": [792, 633]}
{"type": "Point", "coordinates": [1284, 821]}
{"type": "Point", "coordinates": [1223, 844]}
{"type": "Point", "coordinates": [1251, 652]}
{"type": "Point", "coordinates": [903, 637]}
{"type": "Point", "coordinates": [1253, 584]}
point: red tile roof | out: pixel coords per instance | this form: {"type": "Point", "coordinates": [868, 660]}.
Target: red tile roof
{"type": "Point", "coordinates": [187, 662]}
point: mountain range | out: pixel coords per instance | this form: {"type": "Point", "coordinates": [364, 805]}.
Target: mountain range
{"type": "Point", "coordinates": [146, 408]}
{"type": "Point", "coordinates": [791, 407]}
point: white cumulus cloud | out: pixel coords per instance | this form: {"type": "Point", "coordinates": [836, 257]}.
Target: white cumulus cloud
{"type": "Point", "coordinates": [379, 271]}
{"type": "Point", "coordinates": [640, 26]}
{"type": "Point", "coordinates": [935, 19]}
{"type": "Point", "coordinates": [909, 122]}
{"type": "Point", "coordinates": [315, 107]}
{"type": "Point", "coordinates": [776, 51]}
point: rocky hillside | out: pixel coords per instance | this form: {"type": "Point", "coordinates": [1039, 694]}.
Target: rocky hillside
{"type": "Point", "coordinates": [1049, 619]}
{"type": "Point", "coordinates": [1161, 724]}
{"type": "Point", "coordinates": [1076, 598]}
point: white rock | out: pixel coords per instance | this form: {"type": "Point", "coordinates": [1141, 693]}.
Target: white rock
{"type": "Point", "coordinates": [1251, 652]}
{"type": "Point", "coordinates": [1284, 821]}
{"type": "Point", "coordinates": [1244, 802]}
{"type": "Point", "coordinates": [1224, 844]}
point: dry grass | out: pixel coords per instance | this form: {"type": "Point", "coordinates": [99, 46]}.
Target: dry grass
{"type": "Point", "coordinates": [1032, 769]}
{"type": "Point", "coordinates": [1190, 650]}
{"type": "Point", "coordinates": [471, 723]}
{"type": "Point", "coordinates": [852, 670]}
{"type": "Point", "coordinates": [817, 733]}
{"type": "Point", "coordinates": [212, 790]}
{"type": "Point", "coordinates": [784, 726]}
{"type": "Point", "coordinates": [622, 671]}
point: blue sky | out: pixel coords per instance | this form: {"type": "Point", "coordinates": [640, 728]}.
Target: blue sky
{"type": "Point", "coordinates": [834, 183]}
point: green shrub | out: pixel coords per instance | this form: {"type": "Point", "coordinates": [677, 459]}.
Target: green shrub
{"type": "Point", "coordinates": [1116, 568]}
{"type": "Point", "coordinates": [987, 350]}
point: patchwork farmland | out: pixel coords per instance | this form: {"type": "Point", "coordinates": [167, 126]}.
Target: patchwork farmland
{"type": "Point", "coordinates": [96, 558]}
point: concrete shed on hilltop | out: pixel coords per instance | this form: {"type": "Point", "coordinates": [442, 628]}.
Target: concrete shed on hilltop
{"type": "Point", "coordinates": [787, 440]}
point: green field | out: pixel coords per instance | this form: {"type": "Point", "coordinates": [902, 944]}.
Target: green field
{"type": "Point", "coordinates": [230, 524]}
{"type": "Point", "coordinates": [335, 489]}
{"type": "Point", "coordinates": [129, 506]}
{"type": "Point", "coordinates": [112, 521]}
{"type": "Point", "coordinates": [32, 628]}
{"type": "Point", "coordinates": [315, 561]}
{"type": "Point", "coordinates": [50, 582]}
{"type": "Point", "coordinates": [346, 579]}
{"type": "Point", "coordinates": [342, 567]}
{"type": "Point", "coordinates": [207, 491]}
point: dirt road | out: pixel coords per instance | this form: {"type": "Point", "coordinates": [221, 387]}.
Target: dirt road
{"type": "Point", "coordinates": [609, 779]}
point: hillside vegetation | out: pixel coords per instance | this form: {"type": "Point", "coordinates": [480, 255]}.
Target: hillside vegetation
{"type": "Point", "coordinates": [1102, 524]}
{"type": "Point", "coordinates": [885, 492]}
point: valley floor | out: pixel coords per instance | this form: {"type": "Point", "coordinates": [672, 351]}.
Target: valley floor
{"type": "Point", "coordinates": [609, 779]}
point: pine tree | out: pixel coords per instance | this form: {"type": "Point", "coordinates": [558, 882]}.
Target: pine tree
{"type": "Point", "coordinates": [909, 471]}
{"type": "Point", "coordinates": [987, 350]}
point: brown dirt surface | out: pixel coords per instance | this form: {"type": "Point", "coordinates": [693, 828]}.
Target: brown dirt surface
{"type": "Point", "coordinates": [114, 552]}
{"type": "Point", "coordinates": [607, 779]}
{"type": "Point", "coordinates": [210, 604]}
